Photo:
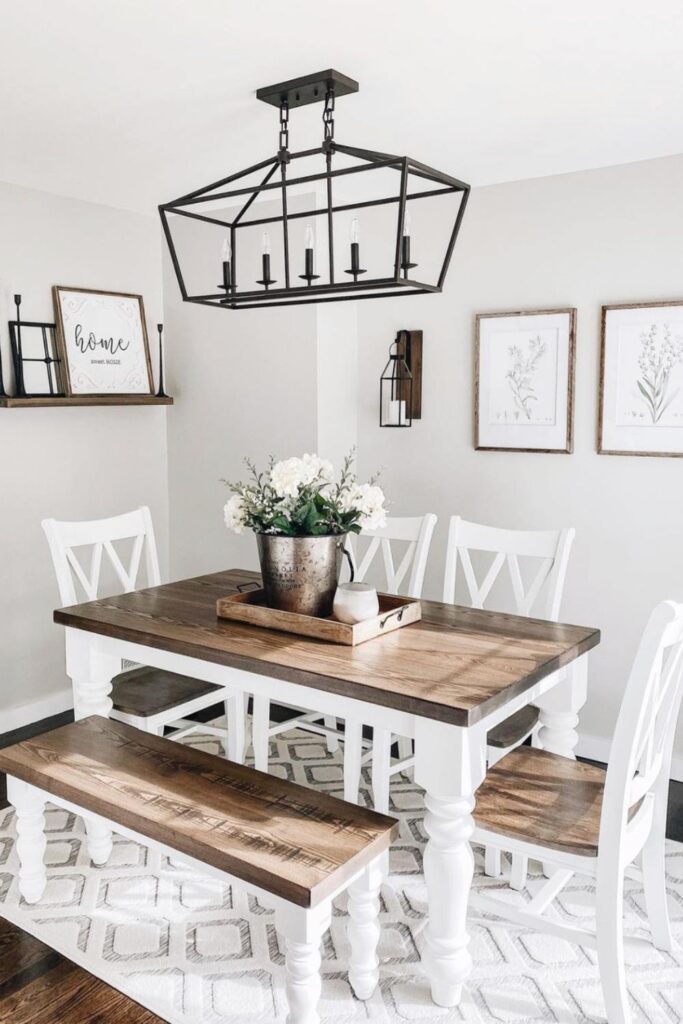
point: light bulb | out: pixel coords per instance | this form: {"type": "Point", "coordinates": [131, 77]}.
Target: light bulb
{"type": "Point", "coordinates": [265, 244]}
{"type": "Point", "coordinates": [355, 230]}
{"type": "Point", "coordinates": [309, 237]}
{"type": "Point", "coordinates": [406, 225]}
{"type": "Point", "coordinates": [226, 251]}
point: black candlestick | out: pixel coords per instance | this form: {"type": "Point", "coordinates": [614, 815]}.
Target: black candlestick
{"type": "Point", "coordinates": [160, 391]}
{"type": "Point", "coordinates": [355, 261]}
{"type": "Point", "coordinates": [406, 265]}
{"type": "Point", "coordinates": [3, 393]}
{"type": "Point", "coordinates": [19, 370]}
{"type": "Point", "coordinates": [266, 279]}
{"type": "Point", "coordinates": [227, 275]}
{"type": "Point", "coordinates": [308, 274]}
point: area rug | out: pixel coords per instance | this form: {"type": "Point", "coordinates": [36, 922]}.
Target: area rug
{"type": "Point", "coordinates": [196, 952]}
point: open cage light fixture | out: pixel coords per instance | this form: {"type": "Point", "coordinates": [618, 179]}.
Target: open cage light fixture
{"type": "Point", "coordinates": [236, 286]}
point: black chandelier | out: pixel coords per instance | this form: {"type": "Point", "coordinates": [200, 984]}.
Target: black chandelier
{"type": "Point", "coordinates": [275, 258]}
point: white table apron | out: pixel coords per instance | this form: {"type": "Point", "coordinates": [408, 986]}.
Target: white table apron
{"type": "Point", "coordinates": [450, 764]}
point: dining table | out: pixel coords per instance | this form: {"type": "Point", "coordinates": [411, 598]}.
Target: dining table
{"type": "Point", "coordinates": [443, 682]}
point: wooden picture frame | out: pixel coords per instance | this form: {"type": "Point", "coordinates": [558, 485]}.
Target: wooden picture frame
{"type": "Point", "coordinates": [102, 342]}
{"type": "Point", "coordinates": [512, 413]}
{"type": "Point", "coordinates": [635, 391]}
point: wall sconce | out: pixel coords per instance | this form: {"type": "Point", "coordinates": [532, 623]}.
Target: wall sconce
{"type": "Point", "coordinates": [400, 386]}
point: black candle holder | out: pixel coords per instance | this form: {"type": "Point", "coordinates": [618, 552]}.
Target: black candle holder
{"type": "Point", "coordinates": [266, 279]}
{"type": "Point", "coordinates": [3, 393]}
{"type": "Point", "coordinates": [308, 274]}
{"type": "Point", "coordinates": [355, 269]}
{"type": "Point", "coordinates": [406, 265]}
{"type": "Point", "coordinates": [19, 369]}
{"type": "Point", "coordinates": [160, 391]}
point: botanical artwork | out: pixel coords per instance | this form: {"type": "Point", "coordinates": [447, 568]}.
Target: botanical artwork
{"type": "Point", "coordinates": [524, 377]}
{"type": "Point", "coordinates": [103, 341]}
{"type": "Point", "coordinates": [642, 379]}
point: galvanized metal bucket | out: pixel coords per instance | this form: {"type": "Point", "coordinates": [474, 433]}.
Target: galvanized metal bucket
{"type": "Point", "coordinates": [300, 574]}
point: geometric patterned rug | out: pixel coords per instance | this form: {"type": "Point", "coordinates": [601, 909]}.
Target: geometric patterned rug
{"type": "Point", "coordinates": [191, 950]}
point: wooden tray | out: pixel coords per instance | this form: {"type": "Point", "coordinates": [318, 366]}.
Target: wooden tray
{"type": "Point", "coordinates": [249, 607]}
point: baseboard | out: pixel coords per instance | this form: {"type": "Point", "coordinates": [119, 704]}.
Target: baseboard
{"type": "Point", "coordinates": [596, 748]}
{"type": "Point", "coordinates": [36, 711]}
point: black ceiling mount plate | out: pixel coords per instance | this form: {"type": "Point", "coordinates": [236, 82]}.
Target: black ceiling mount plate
{"type": "Point", "coordinates": [309, 89]}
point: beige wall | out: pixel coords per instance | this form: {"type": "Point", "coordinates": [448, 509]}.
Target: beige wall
{"type": "Point", "coordinates": [605, 236]}
{"type": "Point", "coordinates": [69, 463]}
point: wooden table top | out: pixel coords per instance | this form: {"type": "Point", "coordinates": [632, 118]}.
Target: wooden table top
{"type": "Point", "coordinates": [456, 665]}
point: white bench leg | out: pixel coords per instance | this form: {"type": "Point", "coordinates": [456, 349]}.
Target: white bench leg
{"type": "Point", "coordinates": [302, 930]}
{"type": "Point", "coordinates": [381, 756]}
{"type": "Point", "coordinates": [353, 750]}
{"type": "Point", "coordinates": [492, 861]}
{"type": "Point", "coordinates": [29, 804]}
{"type": "Point", "coordinates": [260, 728]}
{"type": "Point", "coordinates": [100, 843]}
{"type": "Point", "coordinates": [332, 741]}
{"type": "Point", "coordinates": [364, 929]}
{"type": "Point", "coordinates": [518, 872]}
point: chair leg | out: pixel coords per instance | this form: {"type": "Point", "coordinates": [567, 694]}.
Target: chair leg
{"type": "Point", "coordinates": [381, 762]}
{"type": "Point", "coordinates": [235, 719]}
{"type": "Point", "coordinates": [332, 741]}
{"type": "Point", "coordinates": [518, 871]}
{"type": "Point", "coordinates": [353, 750]}
{"type": "Point", "coordinates": [302, 930]}
{"type": "Point", "coordinates": [29, 804]}
{"type": "Point", "coordinates": [610, 936]}
{"type": "Point", "coordinates": [654, 884]}
{"type": "Point", "coordinates": [363, 928]}
{"type": "Point", "coordinates": [405, 748]}
{"type": "Point", "coordinates": [260, 730]}
{"type": "Point", "coordinates": [492, 862]}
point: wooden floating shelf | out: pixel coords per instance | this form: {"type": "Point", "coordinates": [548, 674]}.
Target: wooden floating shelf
{"type": "Point", "coordinates": [36, 403]}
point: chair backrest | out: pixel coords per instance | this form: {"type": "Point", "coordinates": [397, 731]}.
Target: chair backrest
{"type": "Point", "coordinates": [549, 548]}
{"type": "Point", "coordinates": [100, 535]}
{"type": "Point", "coordinates": [415, 532]}
{"type": "Point", "coordinates": [640, 757]}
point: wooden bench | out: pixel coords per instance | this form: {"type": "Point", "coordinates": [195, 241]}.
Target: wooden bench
{"type": "Point", "coordinates": [294, 848]}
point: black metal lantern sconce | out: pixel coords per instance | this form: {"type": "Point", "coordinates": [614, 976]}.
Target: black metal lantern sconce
{"type": "Point", "coordinates": [400, 386]}
{"type": "Point", "coordinates": [276, 179]}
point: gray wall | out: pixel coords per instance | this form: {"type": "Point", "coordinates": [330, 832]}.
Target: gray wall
{"type": "Point", "coordinates": [71, 463]}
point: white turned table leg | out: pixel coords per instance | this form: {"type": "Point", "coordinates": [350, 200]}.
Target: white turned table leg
{"type": "Point", "coordinates": [450, 763]}
{"type": "Point", "coordinates": [235, 718]}
{"type": "Point", "coordinates": [559, 709]}
{"type": "Point", "coordinates": [381, 756]}
{"type": "Point", "coordinates": [98, 833]}
{"type": "Point", "coordinates": [91, 672]}
{"type": "Point", "coordinates": [353, 752]}
{"type": "Point", "coordinates": [363, 928]}
{"type": "Point", "coordinates": [29, 804]}
{"type": "Point", "coordinates": [260, 727]}
{"type": "Point", "coordinates": [303, 930]}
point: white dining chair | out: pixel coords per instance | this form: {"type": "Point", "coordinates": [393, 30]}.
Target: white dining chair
{"type": "Point", "coordinates": [412, 534]}
{"type": "Point", "coordinates": [147, 698]}
{"type": "Point", "coordinates": [580, 819]}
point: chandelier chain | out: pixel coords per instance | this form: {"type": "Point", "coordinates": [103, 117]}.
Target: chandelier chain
{"type": "Point", "coordinates": [328, 116]}
{"type": "Point", "coordinates": [284, 125]}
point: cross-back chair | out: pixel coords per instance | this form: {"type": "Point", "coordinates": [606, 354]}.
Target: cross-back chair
{"type": "Point", "coordinates": [415, 533]}
{"type": "Point", "coordinates": [581, 819]}
{"type": "Point", "coordinates": [147, 698]}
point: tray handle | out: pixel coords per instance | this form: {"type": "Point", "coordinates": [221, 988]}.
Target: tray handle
{"type": "Point", "coordinates": [243, 588]}
{"type": "Point", "coordinates": [398, 612]}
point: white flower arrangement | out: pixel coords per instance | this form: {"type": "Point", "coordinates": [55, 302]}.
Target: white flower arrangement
{"type": "Point", "coordinates": [298, 497]}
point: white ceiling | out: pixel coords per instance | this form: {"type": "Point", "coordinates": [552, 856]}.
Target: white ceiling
{"type": "Point", "coordinates": [133, 102]}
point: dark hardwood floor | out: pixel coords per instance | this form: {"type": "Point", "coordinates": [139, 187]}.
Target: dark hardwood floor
{"type": "Point", "coordinates": [38, 986]}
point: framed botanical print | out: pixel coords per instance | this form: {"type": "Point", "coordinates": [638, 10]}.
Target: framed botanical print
{"type": "Point", "coordinates": [524, 381]}
{"type": "Point", "coordinates": [641, 379]}
{"type": "Point", "coordinates": [102, 338]}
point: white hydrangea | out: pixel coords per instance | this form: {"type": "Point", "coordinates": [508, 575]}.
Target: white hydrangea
{"type": "Point", "coordinates": [233, 514]}
{"type": "Point", "coordinates": [287, 477]}
{"type": "Point", "coordinates": [368, 500]}
{"type": "Point", "coordinates": [315, 468]}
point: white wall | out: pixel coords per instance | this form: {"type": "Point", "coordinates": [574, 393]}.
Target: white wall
{"type": "Point", "coordinates": [70, 463]}
{"type": "Point", "coordinates": [605, 236]}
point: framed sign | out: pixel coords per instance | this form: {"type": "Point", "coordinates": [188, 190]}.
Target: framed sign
{"type": "Point", "coordinates": [102, 338]}
{"type": "Point", "coordinates": [641, 379]}
{"type": "Point", "coordinates": [524, 381]}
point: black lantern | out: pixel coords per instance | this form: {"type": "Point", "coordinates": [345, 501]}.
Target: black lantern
{"type": "Point", "coordinates": [351, 184]}
{"type": "Point", "coordinates": [396, 390]}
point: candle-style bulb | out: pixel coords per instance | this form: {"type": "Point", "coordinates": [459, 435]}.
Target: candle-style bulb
{"type": "Point", "coordinates": [226, 252]}
{"type": "Point", "coordinates": [265, 244]}
{"type": "Point", "coordinates": [406, 225]}
{"type": "Point", "coordinates": [355, 230]}
{"type": "Point", "coordinates": [309, 237]}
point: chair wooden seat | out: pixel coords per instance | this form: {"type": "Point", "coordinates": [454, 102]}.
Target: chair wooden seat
{"type": "Point", "coordinates": [514, 729]}
{"type": "Point", "coordinates": [293, 842]}
{"type": "Point", "coordinates": [144, 692]}
{"type": "Point", "coordinates": [546, 799]}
